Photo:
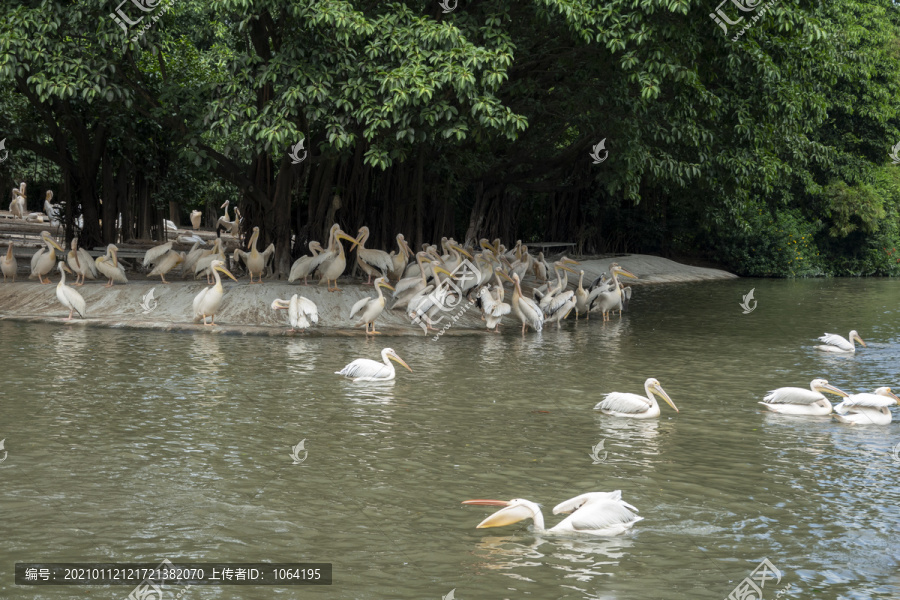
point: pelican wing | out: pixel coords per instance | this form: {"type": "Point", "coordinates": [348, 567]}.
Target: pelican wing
{"type": "Point", "coordinates": [309, 308]}
{"type": "Point", "coordinates": [624, 403]}
{"type": "Point", "coordinates": [359, 306]}
{"type": "Point", "coordinates": [532, 312]}
{"type": "Point", "coordinates": [833, 339]}
{"type": "Point", "coordinates": [599, 515]}
{"type": "Point", "coordinates": [364, 367]}
{"type": "Point", "coordinates": [379, 259]}
{"type": "Point", "coordinates": [87, 263]}
{"type": "Point", "coordinates": [867, 401]}
{"type": "Point", "coordinates": [36, 258]}
{"type": "Point", "coordinates": [792, 395]}
{"type": "Point", "coordinates": [73, 300]}
{"type": "Point", "coordinates": [153, 254]}
{"type": "Point", "coordinates": [578, 501]}
{"type": "Point", "coordinates": [558, 301]}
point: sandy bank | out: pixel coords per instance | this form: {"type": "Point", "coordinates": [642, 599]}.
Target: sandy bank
{"type": "Point", "coordinates": [246, 308]}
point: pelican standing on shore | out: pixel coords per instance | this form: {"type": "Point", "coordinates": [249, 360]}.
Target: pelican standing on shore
{"type": "Point", "coordinates": [169, 261]}
{"type": "Point", "coordinates": [798, 401]}
{"type": "Point", "coordinates": [595, 513]}
{"type": "Point", "coordinates": [400, 259]}
{"type": "Point", "coordinates": [635, 406]}
{"type": "Point", "coordinates": [44, 260]}
{"type": "Point", "coordinates": [373, 262]}
{"type": "Point", "coordinates": [305, 265]}
{"type": "Point", "coordinates": [110, 267]}
{"type": "Point", "coordinates": [81, 262]}
{"type": "Point", "coordinates": [331, 270]}
{"type": "Point", "coordinates": [196, 216]}
{"type": "Point", "coordinates": [254, 259]}
{"type": "Point", "coordinates": [8, 264]}
{"type": "Point", "coordinates": [369, 309]}
{"type": "Point", "coordinates": [67, 296]}
{"type": "Point", "coordinates": [301, 311]}
{"type": "Point", "coordinates": [207, 302]}
{"type": "Point", "coordinates": [836, 343]}
{"type": "Point", "coordinates": [867, 409]}
{"type": "Point", "coordinates": [364, 369]}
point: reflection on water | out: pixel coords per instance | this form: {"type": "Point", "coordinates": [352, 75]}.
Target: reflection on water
{"type": "Point", "coordinates": [132, 446]}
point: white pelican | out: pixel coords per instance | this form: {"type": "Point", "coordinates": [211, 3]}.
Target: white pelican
{"type": "Point", "coordinates": [867, 409]}
{"type": "Point", "coordinates": [581, 298]}
{"type": "Point", "coordinates": [207, 302]}
{"type": "Point", "coordinates": [493, 307]}
{"type": "Point", "coordinates": [596, 513]}
{"type": "Point", "coordinates": [153, 254]}
{"type": "Point", "coordinates": [196, 216]}
{"type": "Point", "coordinates": [202, 266]}
{"type": "Point", "coordinates": [301, 311]}
{"type": "Point", "coordinates": [226, 224]}
{"type": "Point", "coordinates": [255, 260]}
{"type": "Point", "coordinates": [363, 369]}
{"type": "Point", "coordinates": [369, 309]}
{"type": "Point", "coordinates": [109, 266]}
{"type": "Point", "coordinates": [334, 268]}
{"type": "Point", "coordinates": [620, 404]}
{"type": "Point", "coordinates": [373, 262]}
{"type": "Point", "coordinates": [17, 206]}
{"type": "Point", "coordinates": [193, 255]}
{"type": "Point", "coordinates": [525, 308]}
{"type": "Point", "coordinates": [8, 264]}
{"type": "Point", "coordinates": [837, 343]}
{"type": "Point", "coordinates": [611, 297]}
{"type": "Point", "coordinates": [797, 401]}
{"type": "Point", "coordinates": [81, 262]}
{"type": "Point", "coordinates": [400, 259]}
{"type": "Point", "coordinates": [68, 296]}
{"type": "Point", "coordinates": [51, 210]}
{"type": "Point", "coordinates": [169, 261]}
{"type": "Point", "coordinates": [43, 260]}
{"type": "Point", "coordinates": [305, 265]}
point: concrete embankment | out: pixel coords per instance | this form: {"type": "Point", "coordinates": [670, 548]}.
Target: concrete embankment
{"type": "Point", "coordinates": [246, 308]}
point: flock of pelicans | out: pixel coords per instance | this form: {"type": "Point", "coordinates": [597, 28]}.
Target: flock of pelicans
{"type": "Point", "coordinates": [439, 277]}
{"type": "Point", "coordinates": [605, 513]}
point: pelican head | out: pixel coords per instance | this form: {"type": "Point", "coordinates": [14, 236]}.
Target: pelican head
{"type": "Point", "coordinates": [63, 267]}
{"type": "Point", "coordinates": [343, 236]}
{"type": "Point", "coordinates": [513, 511]}
{"type": "Point", "coordinates": [218, 265]}
{"type": "Point", "coordinates": [822, 386]}
{"type": "Point", "coordinates": [253, 237]}
{"type": "Point", "coordinates": [562, 265]}
{"type": "Point", "coordinates": [887, 393]}
{"type": "Point", "coordinates": [617, 270]}
{"type": "Point", "coordinates": [568, 261]}
{"type": "Point", "coordinates": [855, 336]}
{"type": "Point", "coordinates": [459, 249]}
{"type": "Point", "coordinates": [653, 387]}
{"type": "Point", "coordinates": [382, 282]}
{"type": "Point", "coordinates": [45, 235]}
{"type": "Point", "coordinates": [502, 273]}
{"type": "Point", "coordinates": [226, 203]}
{"type": "Point", "coordinates": [389, 353]}
{"type": "Point", "coordinates": [437, 268]}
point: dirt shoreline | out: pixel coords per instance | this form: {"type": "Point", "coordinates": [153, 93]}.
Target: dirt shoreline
{"type": "Point", "coordinates": [246, 308]}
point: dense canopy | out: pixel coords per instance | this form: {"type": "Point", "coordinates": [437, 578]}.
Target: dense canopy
{"type": "Point", "coordinates": [762, 145]}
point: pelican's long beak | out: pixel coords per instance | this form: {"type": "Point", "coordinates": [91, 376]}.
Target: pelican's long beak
{"type": "Point", "coordinates": [115, 257]}
{"type": "Point", "coordinates": [505, 276]}
{"type": "Point", "coordinates": [343, 236]}
{"type": "Point", "coordinates": [569, 261]}
{"type": "Point", "coordinates": [486, 245]}
{"type": "Point", "coordinates": [442, 270]}
{"type": "Point", "coordinates": [892, 395]}
{"type": "Point", "coordinates": [662, 394]}
{"type": "Point", "coordinates": [622, 271]}
{"type": "Point", "coordinates": [859, 339]}
{"type": "Point", "coordinates": [54, 244]}
{"type": "Point", "coordinates": [399, 360]}
{"type": "Point", "coordinates": [461, 250]}
{"type": "Point", "coordinates": [832, 390]}
{"type": "Point", "coordinates": [409, 252]}
{"type": "Point", "coordinates": [68, 270]}
{"type": "Point", "coordinates": [387, 285]}
{"type": "Point", "coordinates": [565, 268]}
{"type": "Point", "coordinates": [505, 516]}
{"type": "Point", "coordinates": [225, 271]}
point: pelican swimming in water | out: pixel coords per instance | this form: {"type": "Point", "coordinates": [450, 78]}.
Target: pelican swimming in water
{"type": "Point", "coordinates": [635, 406]}
{"type": "Point", "coordinates": [81, 262]}
{"type": "Point", "coordinates": [254, 259]}
{"type": "Point", "coordinates": [363, 369]}
{"type": "Point", "coordinates": [8, 264]}
{"type": "Point", "coordinates": [867, 409]}
{"type": "Point", "coordinates": [301, 311]}
{"type": "Point", "coordinates": [525, 308]}
{"type": "Point", "coordinates": [369, 309]}
{"type": "Point", "coordinates": [595, 513]}
{"type": "Point", "coordinates": [836, 343]}
{"type": "Point", "coordinates": [68, 296]}
{"type": "Point", "coordinates": [798, 401]}
{"type": "Point", "coordinates": [44, 260]}
{"type": "Point", "coordinates": [207, 302]}
{"type": "Point", "coordinates": [109, 266]}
